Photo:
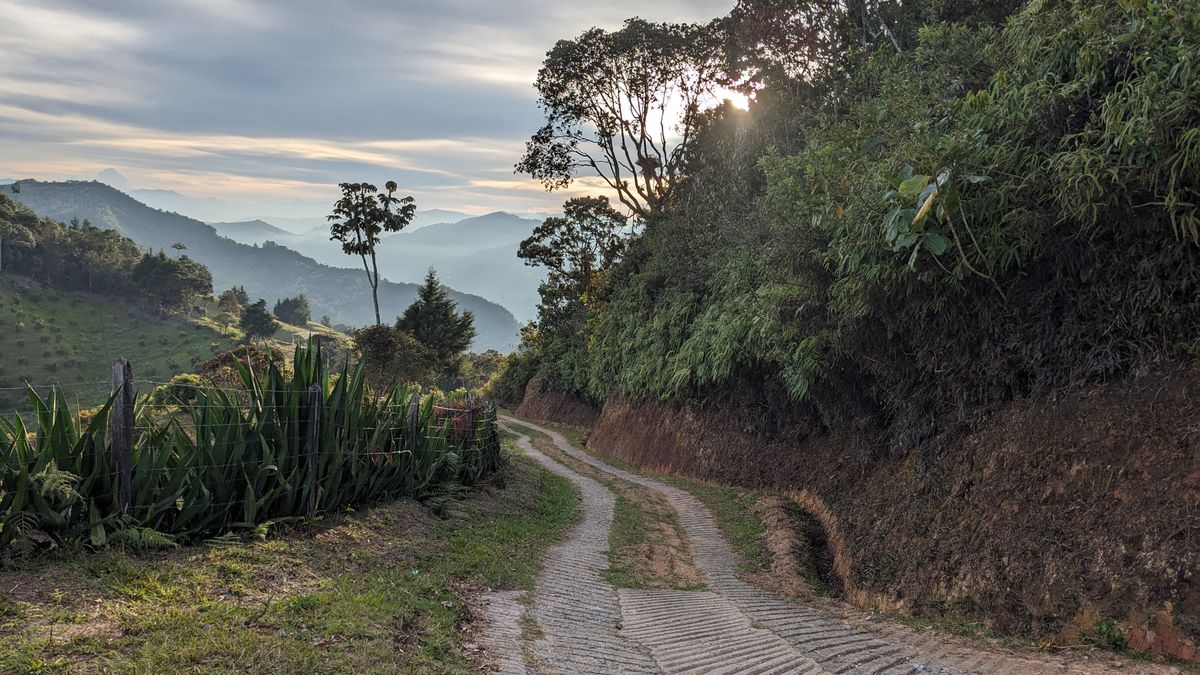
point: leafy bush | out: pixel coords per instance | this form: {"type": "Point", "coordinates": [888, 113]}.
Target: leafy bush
{"type": "Point", "coordinates": [983, 207]}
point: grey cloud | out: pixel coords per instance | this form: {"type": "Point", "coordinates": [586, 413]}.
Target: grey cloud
{"type": "Point", "coordinates": [352, 71]}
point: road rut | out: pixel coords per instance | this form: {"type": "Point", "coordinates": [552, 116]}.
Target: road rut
{"type": "Point", "coordinates": [587, 626]}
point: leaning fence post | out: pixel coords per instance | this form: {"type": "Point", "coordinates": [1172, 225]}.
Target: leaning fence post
{"type": "Point", "coordinates": [120, 431]}
{"type": "Point", "coordinates": [315, 408]}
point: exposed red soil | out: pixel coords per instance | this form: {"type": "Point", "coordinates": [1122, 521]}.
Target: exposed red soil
{"type": "Point", "coordinates": [1043, 518]}
{"type": "Point", "coordinates": [544, 404]}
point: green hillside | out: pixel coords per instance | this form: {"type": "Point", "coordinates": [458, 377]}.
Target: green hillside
{"type": "Point", "coordinates": [270, 271]}
{"type": "Point", "coordinates": [72, 339]}
{"type": "Point", "coordinates": [56, 337]}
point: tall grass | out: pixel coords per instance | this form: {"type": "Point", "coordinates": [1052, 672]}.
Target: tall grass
{"type": "Point", "coordinates": [234, 458]}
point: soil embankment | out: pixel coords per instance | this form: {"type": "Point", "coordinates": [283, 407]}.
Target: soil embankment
{"type": "Point", "coordinates": [544, 403]}
{"type": "Point", "coordinates": [1047, 518]}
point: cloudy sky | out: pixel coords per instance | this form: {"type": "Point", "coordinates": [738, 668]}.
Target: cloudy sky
{"type": "Point", "coordinates": [264, 103]}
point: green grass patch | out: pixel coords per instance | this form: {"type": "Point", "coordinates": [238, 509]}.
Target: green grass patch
{"type": "Point", "coordinates": [625, 538]}
{"type": "Point", "coordinates": [382, 590]}
{"type": "Point", "coordinates": [50, 337]}
{"type": "Point", "coordinates": [733, 510]}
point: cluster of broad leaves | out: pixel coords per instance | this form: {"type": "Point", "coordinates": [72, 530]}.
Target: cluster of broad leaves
{"type": "Point", "coordinates": [234, 460]}
{"type": "Point", "coordinates": [973, 201]}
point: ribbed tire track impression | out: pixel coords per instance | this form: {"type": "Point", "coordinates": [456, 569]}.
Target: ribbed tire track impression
{"type": "Point", "coordinates": [835, 645]}
{"type": "Point", "coordinates": [575, 608]}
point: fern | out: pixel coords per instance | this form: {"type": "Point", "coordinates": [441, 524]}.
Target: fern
{"type": "Point", "coordinates": [142, 539]}
{"type": "Point", "coordinates": [55, 484]}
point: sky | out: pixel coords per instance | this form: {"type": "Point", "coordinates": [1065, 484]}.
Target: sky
{"type": "Point", "coordinates": [266, 105]}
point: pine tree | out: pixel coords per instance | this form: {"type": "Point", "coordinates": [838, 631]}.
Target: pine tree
{"type": "Point", "coordinates": [435, 322]}
{"type": "Point", "coordinates": [257, 321]}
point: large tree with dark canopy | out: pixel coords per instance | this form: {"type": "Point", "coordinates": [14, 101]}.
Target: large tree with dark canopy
{"type": "Point", "coordinates": [361, 216]}
{"type": "Point", "coordinates": [435, 322]}
{"type": "Point", "coordinates": [257, 321]}
{"type": "Point", "coordinates": [624, 106]}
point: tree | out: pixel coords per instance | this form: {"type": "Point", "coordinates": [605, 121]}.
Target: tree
{"type": "Point", "coordinates": [481, 368]}
{"type": "Point", "coordinates": [239, 293]}
{"type": "Point", "coordinates": [257, 321]}
{"type": "Point", "coordinates": [228, 303]}
{"type": "Point", "coordinates": [393, 356]}
{"type": "Point", "coordinates": [586, 241]}
{"type": "Point", "coordinates": [326, 321]}
{"type": "Point", "coordinates": [435, 323]}
{"type": "Point", "coordinates": [173, 284]}
{"type": "Point", "coordinates": [294, 310]}
{"type": "Point", "coordinates": [360, 216]}
{"type": "Point", "coordinates": [624, 105]}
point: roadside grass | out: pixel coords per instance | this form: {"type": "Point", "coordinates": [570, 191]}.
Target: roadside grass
{"type": "Point", "coordinates": [383, 590]}
{"type": "Point", "coordinates": [627, 535]}
{"type": "Point", "coordinates": [647, 547]}
{"type": "Point", "coordinates": [733, 510]}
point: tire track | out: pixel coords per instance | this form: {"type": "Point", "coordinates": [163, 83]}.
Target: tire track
{"type": "Point", "coordinates": [577, 611]}
{"type": "Point", "coordinates": [831, 642]}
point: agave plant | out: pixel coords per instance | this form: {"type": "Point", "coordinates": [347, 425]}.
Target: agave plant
{"type": "Point", "coordinates": [282, 446]}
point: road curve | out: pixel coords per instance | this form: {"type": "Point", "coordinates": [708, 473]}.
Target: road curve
{"type": "Point", "coordinates": [733, 627]}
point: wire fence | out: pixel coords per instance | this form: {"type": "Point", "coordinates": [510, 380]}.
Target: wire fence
{"type": "Point", "coordinates": [210, 458]}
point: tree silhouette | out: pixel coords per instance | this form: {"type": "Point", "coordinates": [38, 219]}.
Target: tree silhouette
{"type": "Point", "coordinates": [360, 216]}
{"type": "Point", "coordinates": [435, 322]}
{"type": "Point", "coordinates": [257, 321]}
{"type": "Point", "coordinates": [624, 105]}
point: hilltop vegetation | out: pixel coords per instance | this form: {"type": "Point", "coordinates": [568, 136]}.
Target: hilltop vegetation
{"type": "Point", "coordinates": [269, 271]}
{"type": "Point", "coordinates": [930, 208]}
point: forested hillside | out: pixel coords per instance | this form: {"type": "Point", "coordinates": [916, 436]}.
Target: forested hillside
{"type": "Point", "coordinates": [270, 271]}
{"type": "Point", "coordinates": [929, 209]}
{"type": "Point", "coordinates": [939, 285]}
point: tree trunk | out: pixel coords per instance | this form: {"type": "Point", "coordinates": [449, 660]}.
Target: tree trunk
{"type": "Point", "coordinates": [375, 288]}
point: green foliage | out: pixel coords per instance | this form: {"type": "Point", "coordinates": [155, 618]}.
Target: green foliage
{"type": "Point", "coordinates": [78, 256]}
{"type": "Point", "coordinates": [1106, 634]}
{"type": "Point", "coordinates": [361, 216]}
{"type": "Point", "coordinates": [234, 459]}
{"type": "Point", "coordinates": [433, 319]}
{"type": "Point", "coordinates": [479, 369]}
{"type": "Point", "coordinates": [294, 310]}
{"type": "Point", "coordinates": [239, 294]}
{"type": "Point", "coordinates": [967, 202]}
{"type": "Point", "coordinates": [184, 388]}
{"type": "Point", "coordinates": [229, 302]}
{"type": "Point", "coordinates": [508, 383]}
{"type": "Point", "coordinates": [256, 321]}
{"type": "Point", "coordinates": [394, 356]}
{"type": "Point", "coordinates": [172, 284]}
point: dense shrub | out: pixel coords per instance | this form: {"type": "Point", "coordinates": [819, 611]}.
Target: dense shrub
{"type": "Point", "coordinates": [234, 459]}
{"type": "Point", "coordinates": [995, 203]}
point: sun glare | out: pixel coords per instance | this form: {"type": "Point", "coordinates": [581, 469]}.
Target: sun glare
{"type": "Point", "coordinates": [735, 98]}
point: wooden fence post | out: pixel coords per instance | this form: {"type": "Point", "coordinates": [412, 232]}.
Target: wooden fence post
{"type": "Point", "coordinates": [470, 421]}
{"type": "Point", "coordinates": [414, 413]}
{"type": "Point", "coordinates": [316, 402]}
{"type": "Point", "coordinates": [120, 431]}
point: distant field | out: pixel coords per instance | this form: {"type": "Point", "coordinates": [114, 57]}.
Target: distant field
{"type": "Point", "coordinates": [51, 337]}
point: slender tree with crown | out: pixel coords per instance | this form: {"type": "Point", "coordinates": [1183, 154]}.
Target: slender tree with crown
{"type": "Point", "coordinates": [361, 216]}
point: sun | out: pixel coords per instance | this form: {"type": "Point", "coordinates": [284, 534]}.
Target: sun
{"type": "Point", "coordinates": [735, 98]}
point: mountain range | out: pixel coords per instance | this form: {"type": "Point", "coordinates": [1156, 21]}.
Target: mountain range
{"type": "Point", "coordinates": [270, 270]}
{"type": "Point", "coordinates": [475, 255]}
